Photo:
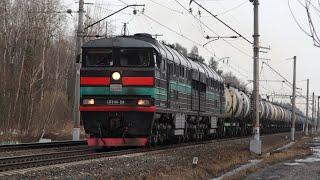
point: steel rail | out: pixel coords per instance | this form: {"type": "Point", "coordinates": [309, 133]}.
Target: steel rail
{"type": "Point", "coordinates": [23, 146]}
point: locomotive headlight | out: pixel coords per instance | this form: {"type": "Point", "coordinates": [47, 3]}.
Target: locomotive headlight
{"type": "Point", "coordinates": [88, 101]}
{"type": "Point", "coordinates": [142, 102]}
{"type": "Point", "coordinates": [116, 76]}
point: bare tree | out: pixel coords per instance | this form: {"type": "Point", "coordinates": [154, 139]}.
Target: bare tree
{"type": "Point", "coordinates": [181, 49]}
{"type": "Point", "coordinates": [232, 80]}
{"type": "Point", "coordinates": [35, 63]}
{"type": "Point", "coordinates": [36, 66]}
{"type": "Point", "coordinates": [214, 65]}
{"type": "Point", "coordinates": [312, 9]}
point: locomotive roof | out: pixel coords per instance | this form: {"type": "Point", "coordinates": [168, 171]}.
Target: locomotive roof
{"type": "Point", "coordinates": [146, 41]}
{"type": "Point", "coordinates": [175, 56]}
{"type": "Point", "coordinates": [125, 42]}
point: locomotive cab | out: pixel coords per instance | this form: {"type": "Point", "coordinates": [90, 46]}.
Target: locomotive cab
{"type": "Point", "coordinates": [117, 91]}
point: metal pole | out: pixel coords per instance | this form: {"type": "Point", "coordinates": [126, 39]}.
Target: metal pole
{"type": "Point", "coordinates": [318, 114]}
{"type": "Point", "coordinates": [255, 142]}
{"type": "Point", "coordinates": [312, 115]}
{"type": "Point", "coordinates": [76, 113]}
{"type": "Point", "coordinates": [307, 110]}
{"type": "Point", "coordinates": [293, 116]}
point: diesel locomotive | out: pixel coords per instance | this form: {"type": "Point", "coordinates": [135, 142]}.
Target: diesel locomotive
{"type": "Point", "coordinates": [136, 91]}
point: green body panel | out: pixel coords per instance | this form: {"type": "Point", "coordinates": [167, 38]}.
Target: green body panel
{"type": "Point", "coordinates": [149, 91]}
{"type": "Point", "coordinates": [212, 96]}
{"type": "Point", "coordinates": [181, 87]}
{"type": "Point", "coordinates": [161, 93]}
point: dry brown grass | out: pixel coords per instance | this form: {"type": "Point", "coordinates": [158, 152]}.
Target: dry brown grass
{"type": "Point", "coordinates": [61, 132]}
{"type": "Point", "coordinates": [219, 162]}
{"type": "Point", "coordinates": [228, 158]}
{"type": "Point", "coordinates": [298, 150]}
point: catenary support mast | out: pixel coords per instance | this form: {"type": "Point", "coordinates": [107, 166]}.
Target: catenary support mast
{"type": "Point", "coordinates": [307, 111]}
{"type": "Point", "coordinates": [293, 115]}
{"type": "Point", "coordinates": [255, 142]}
{"type": "Point", "coordinates": [76, 113]}
{"type": "Point", "coordinates": [312, 115]}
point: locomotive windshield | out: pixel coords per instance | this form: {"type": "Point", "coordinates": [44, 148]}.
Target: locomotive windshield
{"type": "Point", "coordinates": [136, 57]}
{"type": "Point", "coordinates": [99, 58]}
{"type": "Point", "coordinates": [132, 57]}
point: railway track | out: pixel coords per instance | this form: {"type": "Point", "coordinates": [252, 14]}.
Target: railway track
{"type": "Point", "coordinates": [24, 146]}
{"type": "Point", "coordinates": [44, 159]}
{"type": "Point", "coordinates": [31, 161]}
{"type": "Point", "coordinates": [38, 160]}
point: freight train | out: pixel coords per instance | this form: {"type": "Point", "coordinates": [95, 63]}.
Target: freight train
{"type": "Point", "coordinates": [137, 91]}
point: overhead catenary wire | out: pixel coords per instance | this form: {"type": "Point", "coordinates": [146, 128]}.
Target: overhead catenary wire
{"type": "Point", "coordinates": [180, 34]}
{"type": "Point", "coordinates": [240, 50]}
{"type": "Point", "coordinates": [170, 9]}
{"type": "Point", "coordinates": [201, 30]}
{"type": "Point", "coordinates": [233, 8]}
{"type": "Point", "coordinates": [228, 26]}
{"type": "Point", "coordinates": [236, 69]}
{"type": "Point", "coordinates": [177, 33]}
{"type": "Point", "coordinates": [288, 83]}
{"type": "Point", "coordinates": [172, 30]}
{"type": "Point", "coordinates": [275, 71]}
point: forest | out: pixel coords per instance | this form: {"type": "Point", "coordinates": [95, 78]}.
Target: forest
{"type": "Point", "coordinates": [37, 67]}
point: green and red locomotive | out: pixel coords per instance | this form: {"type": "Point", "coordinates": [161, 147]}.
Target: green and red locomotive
{"type": "Point", "coordinates": [136, 91]}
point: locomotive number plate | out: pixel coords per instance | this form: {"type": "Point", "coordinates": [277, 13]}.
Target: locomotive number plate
{"type": "Point", "coordinates": [116, 87]}
{"type": "Point", "coordinates": [115, 102]}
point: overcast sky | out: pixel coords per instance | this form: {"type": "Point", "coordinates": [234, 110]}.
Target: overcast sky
{"type": "Point", "coordinates": [277, 29]}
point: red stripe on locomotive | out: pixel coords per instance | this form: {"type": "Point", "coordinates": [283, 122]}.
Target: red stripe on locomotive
{"type": "Point", "coordinates": [118, 108]}
{"type": "Point", "coordinates": [117, 142]}
{"type": "Point", "coordinates": [94, 80]}
{"type": "Point", "coordinates": [142, 81]}
{"type": "Point", "coordinates": [126, 81]}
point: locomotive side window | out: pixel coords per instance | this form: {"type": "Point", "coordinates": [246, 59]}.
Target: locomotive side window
{"type": "Point", "coordinates": [177, 70]}
{"type": "Point", "coordinates": [163, 65]}
{"type": "Point", "coordinates": [182, 71]}
{"type": "Point", "coordinates": [98, 58]}
{"type": "Point", "coordinates": [136, 57]}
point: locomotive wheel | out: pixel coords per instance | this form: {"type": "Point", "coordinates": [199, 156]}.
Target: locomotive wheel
{"type": "Point", "coordinates": [155, 140]}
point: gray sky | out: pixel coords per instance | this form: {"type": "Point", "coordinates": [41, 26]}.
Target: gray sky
{"type": "Point", "coordinates": [277, 29]}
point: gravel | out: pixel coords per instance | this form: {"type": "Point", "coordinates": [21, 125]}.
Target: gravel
{"type": "Point", "coordinates": [299, 168]}
{"type": "Point", "coordinates": [214, 160]}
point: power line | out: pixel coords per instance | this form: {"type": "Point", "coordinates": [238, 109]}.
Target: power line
{"type": "Point", "coordinates": [177, 33]}
{"type": "Point", "coordinates": [233, 8]}
{"type": "Point", "coordinates": [278, 73]}
{"type": "Point", "coordinates": [240, 50]}
{"type": "Point", "coordinates": [170, 9]}
{"type": "Point", "coordinates": [215, 16]}
{"type": "Point", "coordinates": [172, 30]}
{"type": "Point", "coordinates": [200, 24]}
{"type": "Point", "coordinates": [288, 83]}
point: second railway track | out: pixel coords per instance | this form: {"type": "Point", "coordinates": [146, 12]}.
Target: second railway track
{"type": "Point", "coordinates": [37, 160]}
{"type": "Point", "coordinates": [24, 146]}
